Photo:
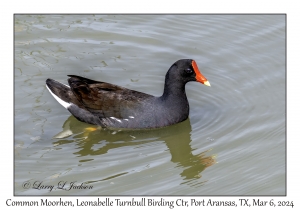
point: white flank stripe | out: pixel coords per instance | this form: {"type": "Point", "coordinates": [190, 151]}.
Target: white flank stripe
{"type": "Point", "coordinates": [115, 119]}
{"type": "Point", "coordinates": [63, 103]}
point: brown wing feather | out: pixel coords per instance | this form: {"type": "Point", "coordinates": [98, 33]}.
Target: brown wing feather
{"type": "Point", "coordinates": [105, 99]}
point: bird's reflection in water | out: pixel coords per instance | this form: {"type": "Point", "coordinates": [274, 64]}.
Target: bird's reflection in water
{"type": "Point", "coordinates": [92, 140]}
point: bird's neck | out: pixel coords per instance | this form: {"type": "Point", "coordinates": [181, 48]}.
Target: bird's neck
{"type": "Point", "coordinates": [173, 90]}
{"type": "Point", "coordinates": [175, 101]}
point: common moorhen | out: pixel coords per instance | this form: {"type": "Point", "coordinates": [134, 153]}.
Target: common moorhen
{"type": "Point", "coordinates": [112, 106]}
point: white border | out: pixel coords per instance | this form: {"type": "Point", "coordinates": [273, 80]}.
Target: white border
{"type": "Point", "coordinates": [154, 6]}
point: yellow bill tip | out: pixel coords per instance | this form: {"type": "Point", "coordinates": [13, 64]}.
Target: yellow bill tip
{"type": "Point", "coordinates": [207, 83]}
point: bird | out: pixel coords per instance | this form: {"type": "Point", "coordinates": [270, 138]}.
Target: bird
{"type": "Point", "coordinates": [112, 106]}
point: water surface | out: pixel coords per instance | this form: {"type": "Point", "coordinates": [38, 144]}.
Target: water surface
{"type": "Point", "coordinates": [232, 144]}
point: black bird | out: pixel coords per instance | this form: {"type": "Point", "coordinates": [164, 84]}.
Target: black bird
{"type": "Point", "coordinates": [112, 106]}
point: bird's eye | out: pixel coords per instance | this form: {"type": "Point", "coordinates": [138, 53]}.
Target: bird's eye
{"type": "Point", "coordinates": [188, 71]}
